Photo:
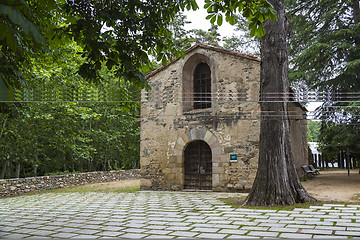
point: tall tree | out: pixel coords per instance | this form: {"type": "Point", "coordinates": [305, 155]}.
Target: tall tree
{"type": "Point", "coordinates": [276, 182]}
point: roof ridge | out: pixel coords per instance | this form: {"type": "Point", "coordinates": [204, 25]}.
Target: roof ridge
{"type": "Point", "coordinates": [206, 46]}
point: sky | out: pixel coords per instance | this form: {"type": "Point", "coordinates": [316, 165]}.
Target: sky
{"type": "Point", "coordinates": [198, 21]}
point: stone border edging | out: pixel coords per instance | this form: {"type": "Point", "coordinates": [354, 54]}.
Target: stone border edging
{"type": "Point", "coordinates": [16, 186]}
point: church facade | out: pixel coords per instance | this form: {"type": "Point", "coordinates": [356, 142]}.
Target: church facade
{"type": "Point", "coordinates": [200, 123]}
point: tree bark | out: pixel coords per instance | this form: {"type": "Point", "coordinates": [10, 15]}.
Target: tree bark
{"type": "Point", "coordinates": [18, 168]}
{"type": "Point", "coordinates": [276, 182]}
{"type": "Point", "coordinates": [3, 170]}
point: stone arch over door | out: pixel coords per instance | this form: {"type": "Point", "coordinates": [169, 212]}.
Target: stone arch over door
{"type": "Point", "coordinates": [210, 139]}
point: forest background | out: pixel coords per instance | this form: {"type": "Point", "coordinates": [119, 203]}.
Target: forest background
{"type": "Point", "coordinates": [61, 119]}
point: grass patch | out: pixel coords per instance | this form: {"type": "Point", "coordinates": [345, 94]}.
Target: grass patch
{"type": "Point", "coordinates": [237, 202]}
{"type": "Point", "coordinates": [95, 188]}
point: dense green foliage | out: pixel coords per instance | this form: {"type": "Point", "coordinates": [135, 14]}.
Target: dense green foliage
{"type": "Point", "coordinates": [325, 55]}
{"type": "Point", "coordinates": [63, 123]}
{"type": "Point", "coordinates": [325, 50]}
{"type": "Point", "coordinates": [313, 128]}
{"type": "Point", "coordinates": [76, 69]}
{"type": "Point", "coordinates": [339, 137]}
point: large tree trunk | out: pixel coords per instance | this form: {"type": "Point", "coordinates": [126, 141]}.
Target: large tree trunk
{"type": "Point", "coordinates": [276, 182]}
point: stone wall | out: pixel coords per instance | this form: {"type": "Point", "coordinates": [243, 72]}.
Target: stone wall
{"type": "Point", "coordinates": [16, 186]}
{"type": "Point", "coordinates": [298, 132]}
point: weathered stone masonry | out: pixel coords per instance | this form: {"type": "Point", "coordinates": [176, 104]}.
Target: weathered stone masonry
{"type": "Point", "coordinates": [16, 186]}
{"type": "Point", "coordinates": [229, 127]}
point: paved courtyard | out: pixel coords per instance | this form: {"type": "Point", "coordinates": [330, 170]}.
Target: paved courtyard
{"type": "Point", "coordinates": [166, 215]}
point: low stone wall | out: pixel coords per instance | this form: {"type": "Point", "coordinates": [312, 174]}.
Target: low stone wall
{"type": "Point", "coordinates": [16, 186]}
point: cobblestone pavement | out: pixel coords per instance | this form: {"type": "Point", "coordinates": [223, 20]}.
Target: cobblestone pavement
{"type": "Point", "coordinates": [166, 215]}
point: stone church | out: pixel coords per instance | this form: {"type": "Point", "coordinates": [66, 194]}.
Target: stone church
{"type": "Point", "coordinates": [200, 123]}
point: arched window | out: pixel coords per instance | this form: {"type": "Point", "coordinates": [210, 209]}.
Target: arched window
{"type": "Point", "coordinates": [202, 86]}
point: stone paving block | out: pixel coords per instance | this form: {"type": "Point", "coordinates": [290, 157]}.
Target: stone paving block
{"type": "Point", "coordinates": [134, 225]}
{"type": "Point", "coordinates": [353, 229]}
{"type": "Point", "coordinates": [330, 228]}
{"type": "Point", "coordinates": [295, 235]}
{"type": "Point", "coordinates": [233, 231]}
{"type": "Point", "coordinates": [329, 237]}
{"type": "Point", "coordinates": [33, 226]}
{"type": "Point", "coordinates": [110, 233]}
{"type": "Point", "coordinates": [195, 221]}
{"type": "Point", "coordinates": [74, 225]}
{"type": "Point", "coordinates": [133, 235]}
{"type": "Point", "coordinates": [234, 236]}
{"type": "Point", "coordinates": [184, 234]}
{"type": "Point", "coordinates": [7, 229]}
{"type": "Point", "coordinates": [300, 226]}
{"type": "Point", "coordinates": [84, 236]}
{"type": "Point", "coordinates": [51, 228]}
{"type": "Point", "coordinates": [37, 237]}
{"type": "Point", "coordinates": [283, 229]}
{"type": "Point", "coordinates": [291, 222]}
{"type": "Point", "coordinates": [67, 229]}
{"type": "Point", "coordinates": [254, 228]}
{"type": "Point", "coordinates": [159, 237]}
{"type": "Point", "coordinates": [325, 223]}
{"type": "Point", "coordinates": [88, 231]}
{"type": "Point", "coordinates": [307, 219]}
{"type": "Point", "coordinates": [298, 215]}
{"type": "Point", "coordinates": [282, 218]}
{"type": "Point", "coordinates": [174, 228]}
{"type": "Point", "coordinates": [134, 230]}
{"type": "Point", "coordinates": [348, 224]}
{"type": "Point", "coordinates": [262, 234]}
{"type": "Point", "coordinates": [64, 235]}
{"type": "Point", "coordinates": [156, 227]}
{"type": "Point", "coordinates": [179, 224]}
{"type": "Point", "coordinates": [92, 226]}
{"type": "Point", "coordinates": [158, 232]}
{"type": "Point", "coordinates": [56, 223]}
{"type": "Point", "coordinates": [317, 231]}
{"type": "Point", "coordinates": [16, 235]}
{"type": "Point", "coordinates": [304, 210]}
{"type": "Point", "coordinates": [42, 232]}
{"type": "Point", "coordinates": [205, 230]}
{"type": "Point", "coordinates": [321, 207]}
{"type": "Point", "coordinates": [211, 235]}
{"type": "Point", "coordinates": [24, 230]}
{"type": "Point", "coordinates": [269, 224]}
{"type": "Point", "coordinates": [348, 233]}
{"type": "Point", "coordinates": [244, 223]}
{"type": "Point", "coordinates": [112, 228]}
{"type": "Point", "coordinates": [227, 226]}
{"type": "Point", "coordinates": [219, 222]}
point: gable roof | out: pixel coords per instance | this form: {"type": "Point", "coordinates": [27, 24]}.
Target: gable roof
{"type": "Point", "coordinates": [204, 46]}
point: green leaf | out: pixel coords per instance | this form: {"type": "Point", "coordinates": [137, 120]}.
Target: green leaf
{"type": "Point", "coordinates": [219, 20]}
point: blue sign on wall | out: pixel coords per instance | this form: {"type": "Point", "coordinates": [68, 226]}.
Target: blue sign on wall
{"type": "Point", "coordinates": [233, 157]}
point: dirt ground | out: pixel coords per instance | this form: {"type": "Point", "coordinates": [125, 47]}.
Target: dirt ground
{"type": "Point", "coordinates": [335, 185]}
{"type": "Point", "coordinates": [329, 185]}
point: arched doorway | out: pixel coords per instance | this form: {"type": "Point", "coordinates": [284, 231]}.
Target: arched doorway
{"type": "Point", "coordinates": [198, 166]}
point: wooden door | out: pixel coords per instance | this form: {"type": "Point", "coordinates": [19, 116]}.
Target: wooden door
{"type": "Point", "coordinates": [198, 166]}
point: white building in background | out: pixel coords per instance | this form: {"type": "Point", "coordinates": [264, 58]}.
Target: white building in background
{"type": "Point", "coordinates": [317, 155]}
